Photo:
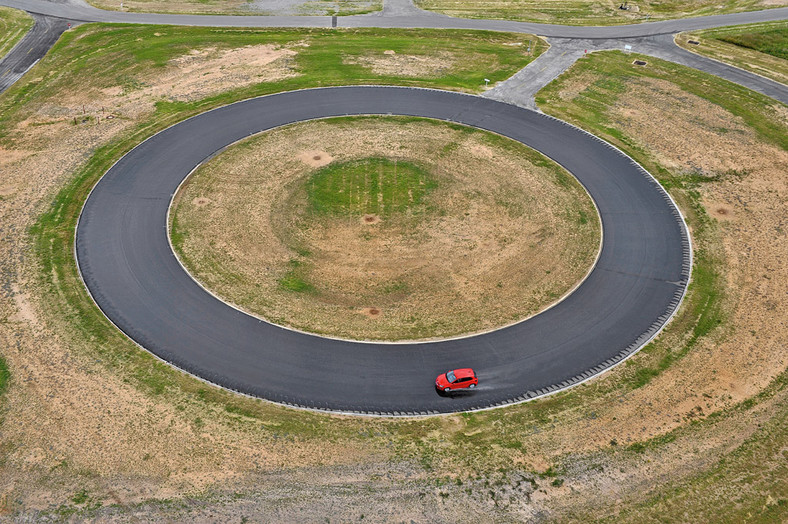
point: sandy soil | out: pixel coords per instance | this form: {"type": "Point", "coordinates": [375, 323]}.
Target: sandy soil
{"type": "Point", "coordinates": [487, 252]}
{"type": "Point", "coordinates": [393, 64]}
{"type": "Point", "coordinates": [70, 422]}
{"type": "Point", "coordinates": [198, 74]}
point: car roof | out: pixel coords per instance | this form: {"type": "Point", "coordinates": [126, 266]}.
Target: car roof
{"type": "Point", "coordinates": [464, 372]}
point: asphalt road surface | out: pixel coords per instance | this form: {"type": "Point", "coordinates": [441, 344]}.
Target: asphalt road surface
{"type": "Point", "coordinates": [127, 264]}
{"type": "Point", "coordinates": [396, 19]}
{"type": "Point", "coordinates": [30, 49]}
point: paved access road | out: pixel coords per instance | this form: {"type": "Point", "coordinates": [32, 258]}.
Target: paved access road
{"type": "Point", "coordinates": [125, 258]}
{"type": "Point", "coordinates": [396, 18]}
{"type": "Point", "coordinates": [29, 50]}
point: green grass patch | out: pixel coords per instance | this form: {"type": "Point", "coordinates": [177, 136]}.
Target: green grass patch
{"type": "Point", "coordinates": [772, 42]}
{"type": "Point", "coordinates": [5, 376]}
{"type": "Point", "coordinates": [14, 24]}
{"type": "Point", "coordinates": [760, 48]}
{"type": "Point", "coordinates": [372, 186]}
{"type": "Point", "coordinates": [294, 281]}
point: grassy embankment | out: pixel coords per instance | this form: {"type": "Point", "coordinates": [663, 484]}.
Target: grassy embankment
{"type": "Point", "coordinates": [759, 48]}
{"type": "Point", "coordinates": [13, 26]}
{"type": "Point", "coordinates": [757, 466]}
{"type": "Point", "coordinates": [586, 12]}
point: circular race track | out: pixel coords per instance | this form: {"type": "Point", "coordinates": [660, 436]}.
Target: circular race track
{"type": "Point", "coordinates": [125, 259]}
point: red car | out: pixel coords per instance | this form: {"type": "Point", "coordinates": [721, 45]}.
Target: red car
{"type": "Point", "coordinates": [457, 379]}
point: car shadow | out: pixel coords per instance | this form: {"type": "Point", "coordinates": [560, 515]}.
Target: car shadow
{"type": "Point", "coordinates": [456, 393]}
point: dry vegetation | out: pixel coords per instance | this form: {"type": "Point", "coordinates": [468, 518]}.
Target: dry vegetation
{"type": "Point", "coordinates": [483, 251]}
{"type": "Point", "coordinates": [92, 427]}
{"type": "Point", "coordinates": [710, 43]}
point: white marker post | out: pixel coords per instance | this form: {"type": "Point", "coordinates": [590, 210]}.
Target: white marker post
{"type": "Point", "coordinates": [486, 82]}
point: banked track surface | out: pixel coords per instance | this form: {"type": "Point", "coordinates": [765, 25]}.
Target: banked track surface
{"type": "Point", "coordinates": [126, 262]}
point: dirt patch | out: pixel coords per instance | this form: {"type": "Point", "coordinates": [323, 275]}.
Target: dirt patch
{"type": "Point", "coordinates": [480, 151]}
{"type": "Point", "coordinates": [719, 210]}
{"type": "Point", "coordinates": [576, 84]}
{"type": "Point", "coordinates": [315, 158]}
{"type": "Point", "coordinates": [201, 201]}
{"type": "Point", "coordinates": [392, 64]}
{"type": "Point", "coordinates": [191, 76]}
{"type": "Point", "coordinates": [484, 251]}
{"type": "Point", "coordinates": [9, 156]}
{"type": "Point", "coordinates": [25, 311]}
{"type": "Point", "coordinates": [371, 312]}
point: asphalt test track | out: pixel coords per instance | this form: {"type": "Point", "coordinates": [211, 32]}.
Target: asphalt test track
{"type": "Point", "coordinates": [125, 258]}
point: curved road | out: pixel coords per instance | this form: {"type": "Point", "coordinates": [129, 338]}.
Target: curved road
{"type": "Point", "coordinates": [126, 262]}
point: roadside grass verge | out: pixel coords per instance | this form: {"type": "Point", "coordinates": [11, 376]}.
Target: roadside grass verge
{"type": "Point", "coordinates": [97, 56]}
{"type": "Point", "coordinates": [772, 41]}
{"type": "Point", "coordinates": [703, 312]}
{"type": "Point", "coordinates": [758, 48]}
{"type": "Point", "coordinates": [14, 24]}
{"type": "Point", "coordinates": [757, 467]}
{"type": "Point", "coordinates": [585, 12]}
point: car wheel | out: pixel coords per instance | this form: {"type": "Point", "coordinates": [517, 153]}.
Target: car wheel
{"type": "Point", "coordinates": [447, 390]}
{"type": "Point", "coordinates": [472, 386]}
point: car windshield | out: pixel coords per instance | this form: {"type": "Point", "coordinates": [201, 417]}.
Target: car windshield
{"type": "Point", "coordinates": [450, 376]}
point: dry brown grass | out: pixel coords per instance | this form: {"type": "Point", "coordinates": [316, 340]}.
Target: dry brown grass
{"type": "Point", "coordinates": [492, 250]}
{"type": "Point", "coordinates": [390, 63]}
{"type": "Point", "coordinates": [760, 63]}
